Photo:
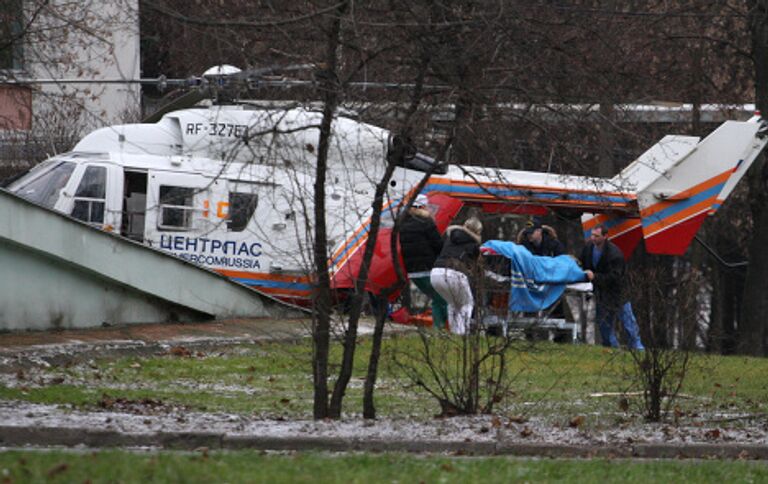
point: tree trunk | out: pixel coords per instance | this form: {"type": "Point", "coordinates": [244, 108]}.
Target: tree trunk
{"type": "Point", "coordinates": [369, 408]}
{"type": "Point", "coordinates": [755, 305]}
{"type": "Point", "coordinates": [321, 323]}
{"type": "Point", "coordinates": [350, 337]}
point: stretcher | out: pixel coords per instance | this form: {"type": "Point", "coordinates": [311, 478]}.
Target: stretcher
{"type": "Point", "coordinates": [497, 318]}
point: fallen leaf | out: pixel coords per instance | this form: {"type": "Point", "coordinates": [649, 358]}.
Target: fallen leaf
{"type": "Point", "coordinates": [743, 455]}
{"type": "Point", "coordinates": [20, 375]}
{"type": "Point", "coordinates": [526, 432]}
{"type": "Point", "coordinates": [519, 419]}
{"type": "Point", "coordinates": [496, 422]}
{"type": "Point", "coordinates": [713, 434]}
{"type": "Point", "coordinates": [678, 413]}
{"type": "Point", "coordinates": [58, 469]}
{"type": "Point", "coordinates": [106, 401]}
{"type": "Point", "coordinates": [135, 365]}
{"type": "Point", "coordinates": [576, 421]}
{"type": "Point", "coordinates": [180, 352]}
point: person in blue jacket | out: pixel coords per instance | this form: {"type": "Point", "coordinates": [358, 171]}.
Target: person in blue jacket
{"type": "Point", "coordinates": [604, 266]}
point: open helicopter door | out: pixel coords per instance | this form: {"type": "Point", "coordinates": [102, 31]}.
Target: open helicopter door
{"type": "Point", "coordinates": [134, 205]}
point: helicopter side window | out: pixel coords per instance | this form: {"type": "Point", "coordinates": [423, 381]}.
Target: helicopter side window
{"type": "Point", "coordinates": [241, 209]}
{"type": "Point", "coordinates": [44, 190]}
{"type": "Point", "coordinates": [90, 194]}
{"type": "Point", "coordinates": [176, 207]}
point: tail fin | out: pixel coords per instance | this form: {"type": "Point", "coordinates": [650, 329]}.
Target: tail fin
{"type": "Point", "coordinates": [674, 204]}
{"type": "Point", "coordinates": [624, 231]}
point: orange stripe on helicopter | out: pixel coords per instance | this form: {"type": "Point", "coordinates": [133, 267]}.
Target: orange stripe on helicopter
{"type": "Point", "coordinates": [355, 241]}
{"type": "Point", "coordinates": [273, 284]}
{"type": "Point", "coordinates": [705, 185]}
{"type": "Point", "coordinates": [682, 215]}
{"type": "Point", "coordinates": [478, 191]}
{"type": "Point", "coordinates": [264, 276]}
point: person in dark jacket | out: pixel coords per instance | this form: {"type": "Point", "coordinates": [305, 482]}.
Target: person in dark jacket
{"type": "Point", "coordinates": [603, 264]}
{"type": "Point", "coordinates": [420, 244]}
{"type": "Point", "coordinates": [541, 240]}
{"type": "Point", "coordinates": [451, 274]}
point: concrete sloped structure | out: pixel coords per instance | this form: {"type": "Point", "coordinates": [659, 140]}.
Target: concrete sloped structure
{"type": "Point", "coordinates": [58, 272]}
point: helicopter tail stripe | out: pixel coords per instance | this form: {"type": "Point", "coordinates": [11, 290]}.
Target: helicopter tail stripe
{"type": "Point", "coordinates": [357, 239]}
{"type": "Point", "coordinates": [483, 191]}
{"type": "Point", "coordinates": [669, 225]}
{"type": "Point", "coordinates": [709, 189]}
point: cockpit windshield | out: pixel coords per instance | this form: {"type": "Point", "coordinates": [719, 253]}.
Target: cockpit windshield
{"type": "Point", "coordinates": [44, 188]}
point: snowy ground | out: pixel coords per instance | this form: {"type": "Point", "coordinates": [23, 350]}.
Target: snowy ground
{"type": "Point", "coordinates": [145, 417]}
{"type": "Point", "coordinates": [148, 416]}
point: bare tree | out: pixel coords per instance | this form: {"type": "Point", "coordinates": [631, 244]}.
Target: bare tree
{"type": "Point", "coordinates": [667, 303]}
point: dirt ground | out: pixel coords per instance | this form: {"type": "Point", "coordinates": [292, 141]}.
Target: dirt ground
{"type": "Point", "coordinates": [144, 421]}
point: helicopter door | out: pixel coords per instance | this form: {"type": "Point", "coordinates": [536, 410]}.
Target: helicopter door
{"type": "Point", "coordinates": [176, 205]}
{"type": "Point", "coordinates": [134, 205]}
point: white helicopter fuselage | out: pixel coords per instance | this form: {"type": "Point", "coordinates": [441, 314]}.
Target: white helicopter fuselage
{"type": "Point", "coordinates": [227, 188]}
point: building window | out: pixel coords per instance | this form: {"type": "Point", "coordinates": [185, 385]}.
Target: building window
{"type": "Point", "coordinates": [11, 33]}
{"type": "Point", "coordinates": [241, 209]}
{"type": "Point", "coordinates": [90, 196]}
{"type": "Point", "coordinates": [176, 207]}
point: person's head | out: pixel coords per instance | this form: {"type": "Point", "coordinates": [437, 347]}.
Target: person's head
{"type": "Point", "coordinates": [599, 235]}
{"type": "Point", "coordinates": [419, 205]}
{"type": "Point", "coordinates": [474, 225]}
{"type": "Point", "coordinates": [536, 234]}
{"type": "Point", "coordinates": [421, 201]}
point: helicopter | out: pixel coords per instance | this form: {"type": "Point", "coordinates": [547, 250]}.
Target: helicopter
{"type": "Point", "coordinates": [229, 187]}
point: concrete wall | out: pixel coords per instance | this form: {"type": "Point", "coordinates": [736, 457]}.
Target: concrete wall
{"type": "Point", "coordinates": [57, 272]}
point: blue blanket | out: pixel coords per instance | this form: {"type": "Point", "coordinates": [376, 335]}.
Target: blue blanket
{"type": "Point", "coordinates": [537, 282]}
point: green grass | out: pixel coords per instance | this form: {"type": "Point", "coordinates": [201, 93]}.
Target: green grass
{"type": "Point", "coordinates": [275, 379]}
{"type": "Point", "coordinates": [247, 466]}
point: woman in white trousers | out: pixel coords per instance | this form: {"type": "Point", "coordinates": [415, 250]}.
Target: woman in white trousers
{"type": "Point", "coordinates": [454, 287]}
{"type": "Point", "coordinates": [450, 274]}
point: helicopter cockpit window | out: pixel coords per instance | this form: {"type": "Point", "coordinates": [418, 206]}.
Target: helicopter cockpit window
{"type": "Point", "coordinates": [90, 194]}
{"type": "Point", "coordinates": [44, 189]}
{"type": "Point", "coordinates": [176, 207]}
{"type": "Point", "coordinates": [241, 209]}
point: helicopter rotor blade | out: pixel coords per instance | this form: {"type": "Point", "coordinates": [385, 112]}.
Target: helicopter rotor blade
{"type": "Point", "coordinates": [186, 100]}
